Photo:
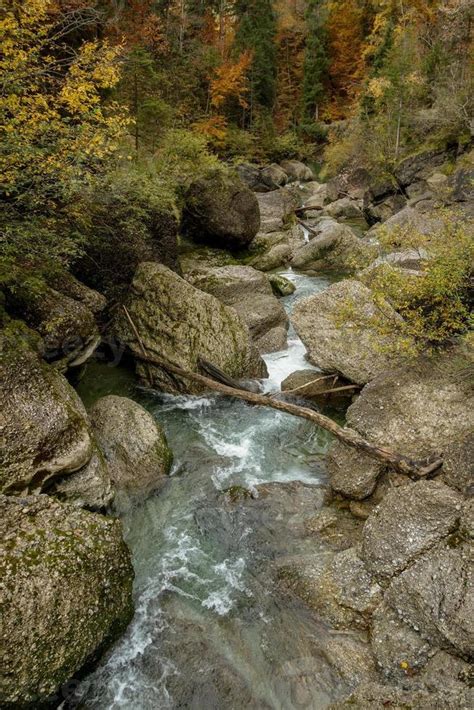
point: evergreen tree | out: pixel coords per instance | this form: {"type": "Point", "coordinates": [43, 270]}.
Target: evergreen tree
{"type": "Point", "coordinates": [256, 32]}
{"type": "Point", "coordinates": [316, 61]}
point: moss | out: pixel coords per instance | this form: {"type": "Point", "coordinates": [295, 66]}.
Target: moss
{"type": "Point", "coordinates": [237, 493]}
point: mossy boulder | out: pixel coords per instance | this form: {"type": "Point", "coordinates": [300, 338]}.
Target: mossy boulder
{"type": "Point", "coordinates": [45, 432]}
{"type": "Point", "coordinates": [222, 211]}
{"type": "Point", "coordinates": [281, 286]}
{"type": "Point", "coordinates": [66, 325]}
{"type": "Point", "coordinates": [66, 594]}
{"type": "Point", "coordinates": [134, 446]}
{"type": "Point", "coordinates": [181, 324]}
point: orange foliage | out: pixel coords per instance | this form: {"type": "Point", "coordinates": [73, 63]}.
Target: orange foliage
{"type": "Point", "coordinates": [231, 81]}
{"type": "Point", "coordinates": [346, 36]}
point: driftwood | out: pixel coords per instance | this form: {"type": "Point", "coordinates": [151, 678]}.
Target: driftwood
{"type": "Point", "coordinates": [402, 464]}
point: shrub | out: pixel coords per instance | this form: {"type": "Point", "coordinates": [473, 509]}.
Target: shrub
{"type": "Point", "coordinates": [437, 304]}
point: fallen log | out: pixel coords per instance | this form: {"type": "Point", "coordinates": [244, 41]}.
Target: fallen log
{"type": "Point", "coordinates": [402, 464]}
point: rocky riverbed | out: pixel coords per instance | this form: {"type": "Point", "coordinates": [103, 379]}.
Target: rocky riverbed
{"type": "Point", "coordinates": [274, 567]}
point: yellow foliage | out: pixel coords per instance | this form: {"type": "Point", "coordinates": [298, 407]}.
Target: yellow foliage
{"type": "Point", "coordinates": [54, 127]}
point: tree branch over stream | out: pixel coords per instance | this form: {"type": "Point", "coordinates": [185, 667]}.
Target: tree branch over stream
{"type": "Point", "coordinates": [402, 464]}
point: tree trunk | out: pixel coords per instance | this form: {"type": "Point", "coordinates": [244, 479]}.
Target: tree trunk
{"type": "Point", "coordinates": [402, 464]}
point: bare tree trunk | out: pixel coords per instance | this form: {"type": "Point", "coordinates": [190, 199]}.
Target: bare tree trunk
{"type": "Point", "coordinates": [402, 464]}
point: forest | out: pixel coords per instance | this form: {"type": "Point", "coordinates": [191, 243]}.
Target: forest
{"type": "Point", "coordinates": [236, 354]}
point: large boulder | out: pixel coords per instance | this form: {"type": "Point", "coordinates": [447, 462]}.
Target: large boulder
{"type": "Point", "coordinates": [335, 326]}
{"type": "Point", "coordinates": [126, 229]}
{"type": "Point", "coordinates": [181, 324]}
{"type": "Point", "coordinates": [344, 208]}
{"type": "Point", "coordinates": [409, 521]}
{"type": "Point", "coordinates": [420, 166]}
{"type": "Point", "coordinates": [420, 408]}
{"type": "Point", "coordinates": [134, 445]}
{"type": "Point", "coordinates": [270, 250]}
{"type": "Point", "coordinates": [45, 432]}
{"type": "Point", "coordinates": [336, 586]}
{"type": "Point", "coordinates": [250, 293]}
{"type": "Point", "coordinates": [276, 209]}
{"type": "Point", "coordinates": [66, 594]}
{"type": "Point", "coordinates": [222, 211]}
{"type": "Point", "coordinates": [335, 248]}
{"type": "Point", "coordinates": [297, 170]}
{"type": "Point", "coordinates": [255, 178]}
{"type": "Point", "coordinates": [274, 174]}
{"type": "Point", "coordinates": [66, 326]}
{"type": "Point", "coordinates": [436, 595]}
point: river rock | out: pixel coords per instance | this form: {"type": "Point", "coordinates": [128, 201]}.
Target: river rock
{"type": "Point", "coordinates": [45, 432]}
{"type": "Point", "coordinates": [222, 211]}
{"type": "Point", "coordinates": [458, 464]}
{"type": "Point", "coordinates": [436, 593]}
{"type": "Point", "coordinates": [67, 327]}
{"type": "Point", "coordinates": [411, 259]}
{"type": "Point", "coordinates": [134, 446]}
{"type": "Point", "coordinates": [67, 284]}
{"type": "Point", "coordinates": [252, 176]}
{"type": "Point", "coordinates": [281, 286]}
{"type": "Point", "coordinates": [314, 386]}
{"type": "Point", "coordinates": [337, 587]}
{"type": "Point", "coordinates": [352, 473]}
{"type": "Point", "coordinates": [338, 341]}
{"type": "Point", "coordinates": [420, 166]}
{"type": "Point", "coordinates": [66, 594]}
{"type": "Point", "coordinates": [421, 407]}
{"type": "Point", "coordinates": [381, 210]}
{"type": "Point", "coordinates": [344, 208]}
{"type": "Point", "coordinates": [270, 250]}
{"type": "Point", "coordinates": [424, 221]}
{"type": "Point", "coordinates": [274, 174]}
{"type": "Point", "coordinates": [336, 248]}
{"type": "Point", "coordinates": [374, 696]}
{"type": "Point", "coordinates": [297, 170]}
{"type": "Point", "coordinates": [398, 648]}
{"type": "Point", "coordinates": [182, 324]}
{"type": "Point", "coordinates": [408, 522]}
{"type": "Point", "coordinates": [276, 209]}
{"type": "Point", "coordinates": [352, 183]}
{"type": "Point", "coordinates": [250, 293]}
{"type": "Point", "coordinates": [90, 487]}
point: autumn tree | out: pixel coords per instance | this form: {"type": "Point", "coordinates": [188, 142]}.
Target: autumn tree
{"type": "Point", "coordinates": [345, 27]}
{"type": "Point", "coordinates": [57, 134]}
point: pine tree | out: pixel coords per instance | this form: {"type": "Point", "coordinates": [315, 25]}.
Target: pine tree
{"type": "Point", "coordinates": [256, 32]}
{"type": "Point", "coordinates": [316, 61]}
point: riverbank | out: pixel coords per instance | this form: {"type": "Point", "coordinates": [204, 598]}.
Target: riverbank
{"type": "Point", "coordinates": [266, 557]}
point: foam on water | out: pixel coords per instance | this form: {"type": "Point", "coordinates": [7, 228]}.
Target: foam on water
{"type": "Point", "coordinates": [217, 443]}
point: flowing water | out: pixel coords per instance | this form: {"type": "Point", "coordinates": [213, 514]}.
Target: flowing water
{"type": "Point", "coordinates": [208, 631]}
